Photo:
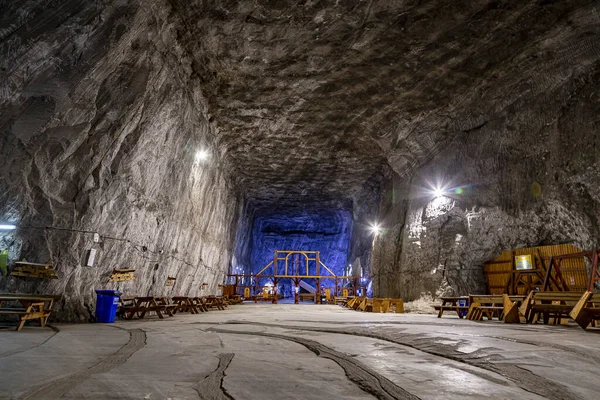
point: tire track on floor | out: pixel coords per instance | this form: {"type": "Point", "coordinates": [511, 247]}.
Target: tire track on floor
{"type": "Point", "coordinates": [59, 387]}
{"type": "Point", "coordinates": [211, 387]}
{"type": "Point", "coordinates": [521, 377]}
{"type": "Point", "coordinates": [556, 346]}
{"type": "Point", "coordinates": [365, 378]}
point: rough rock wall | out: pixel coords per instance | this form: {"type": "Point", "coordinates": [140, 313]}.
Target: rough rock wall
{"type": "Point", "coordinates": [365, 215]}
{"type": "Point", "coordinates": [530, 176]}
{"type": "Point", "coordinates": [100, 127]}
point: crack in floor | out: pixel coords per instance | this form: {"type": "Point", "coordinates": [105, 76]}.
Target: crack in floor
{"type": "Point", "coordinates": [8, 354]}
{"type": "Point", "coordinates": [211, 387]}
{"type": "Point", "coordinates": [365, 378]}
{"type": "Point", "coordinates": [59, 387]}
{"type": "Point", "coordinates": [522, 377]}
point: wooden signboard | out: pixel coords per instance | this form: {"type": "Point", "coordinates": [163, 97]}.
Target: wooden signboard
{"type": "Point", "coordinates": [523, 262]}
{"type": "Point", "coordinates": [34, 270]}
{"type": "Point", "coordinates": [120, 275]}
{"type": "Point", "coordinates": [247, 292]}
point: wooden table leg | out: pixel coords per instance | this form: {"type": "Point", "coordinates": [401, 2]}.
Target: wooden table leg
{"type": "Point", "coordinates": [192, 307]}
{"type": "Point", "coordinates": [50, 304]}
{"type": "Point", "coordinates": [141, 314]}
{"type": "Point", "coordinates": [154, 303]}
{"type": "Point", "coordinates": [442, 309]}
{"type": "Point", "coordinates": [22, 318]}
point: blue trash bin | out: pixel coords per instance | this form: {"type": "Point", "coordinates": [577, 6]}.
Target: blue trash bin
{"type": "Point", "coordinates": [463, 303]}
{"type": "Point", "coordinates": [107, 302]}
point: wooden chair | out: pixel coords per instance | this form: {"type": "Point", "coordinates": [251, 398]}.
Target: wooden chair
{"type": "Point", "coordinates": [397, 305]}
{"type": "Point", "coordinates": [380, 305]}
{"type": "Point", "coordinates": [350, 302]}
{"type": "Point", "coordinates": [358, 302]}
{"type": "Point", "coordinates": [366, 305]}
{"type": "Point", "coordinates": [587, 309]}
{"type": "Point", "coordinates": [511, 310]}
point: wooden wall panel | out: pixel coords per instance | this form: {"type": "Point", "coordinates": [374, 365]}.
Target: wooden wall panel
{"type": "Point", "coordinates": [497, 272]}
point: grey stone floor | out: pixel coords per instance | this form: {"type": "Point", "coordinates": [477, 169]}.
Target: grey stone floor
{"type": "Point", "coordinates": [300, 352]}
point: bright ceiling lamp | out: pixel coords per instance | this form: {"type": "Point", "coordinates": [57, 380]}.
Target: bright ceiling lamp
{"type": "Point", "coordinates": [7, 227]}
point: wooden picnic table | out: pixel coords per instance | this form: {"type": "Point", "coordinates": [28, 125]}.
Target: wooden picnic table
{"type": "Point", "coordinates": [235, 299]}
{"type": "Point", "coordinates": [185, 304]}
{"type": "Point", "coordinates": [491, 305]}
{"type": "Point", "coordinates": [215, 301]}
{"type": "Point", "coordinates": [33, 307]}
{"type": "Point", "coordinates": [450, 303]}
{"type": "Point", "coordinates": [202, 303]}
{"type": "Point", "coordinates": [142, 305]}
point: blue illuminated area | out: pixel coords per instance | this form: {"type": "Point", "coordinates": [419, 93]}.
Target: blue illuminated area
{"type": "Point", "coordinates": [326, 231]}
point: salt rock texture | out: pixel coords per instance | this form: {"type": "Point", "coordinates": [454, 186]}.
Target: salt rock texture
{"type": "Point", "coordinates": [529, 177]}
{"type": "Point", "coordinates": [100, 129]}
{"type": "Point", "coordinates": [420, 80]}
{"type": "Point", "coordinates": [316, 105]}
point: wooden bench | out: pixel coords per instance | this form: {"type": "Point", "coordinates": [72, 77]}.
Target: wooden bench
{"type": "Point", "coordinates": [587, 309]}
{"type": "Point", "coordinates": [453, 306]}
{"type": "Point", "coordinates": [549, 306]}
{"type": "Point", "coordinates": [307, 297]}
{"type": "Point", "coordinates": [33, 307]}
{"type": "Point", "coordinates": [489, 306]}
{"type": "Point", "coordinates": [340, 300]}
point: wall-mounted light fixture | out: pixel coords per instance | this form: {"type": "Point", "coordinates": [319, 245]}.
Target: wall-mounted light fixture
{"type": "Point", "coordinates": [202, 155]}
{"type": "Point", "coordinates": [438, 191]}
{"type": "Point", "coordinates": [376, 229]}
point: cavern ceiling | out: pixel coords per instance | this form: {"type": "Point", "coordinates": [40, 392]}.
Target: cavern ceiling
{"type": "Point", "coordinates": [313, 97]}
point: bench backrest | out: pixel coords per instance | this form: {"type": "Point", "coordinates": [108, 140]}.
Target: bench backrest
{"type": "Point", "coordinates": [486, 299]}
{"type": "Point", "coordinates": [557, 296]}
